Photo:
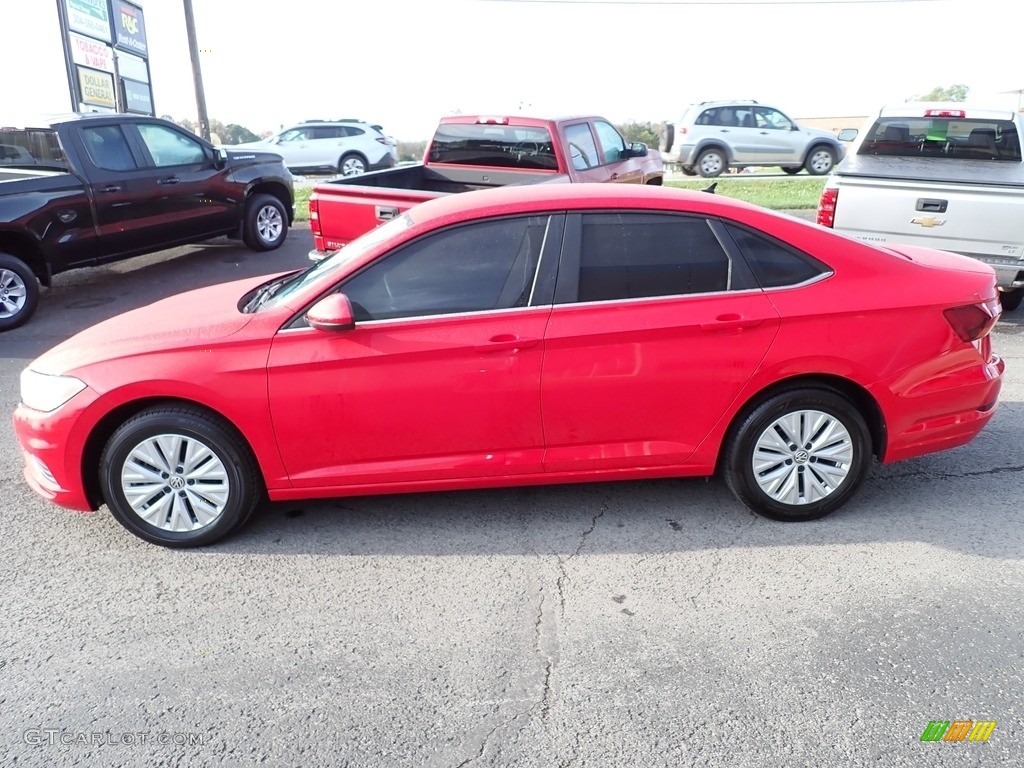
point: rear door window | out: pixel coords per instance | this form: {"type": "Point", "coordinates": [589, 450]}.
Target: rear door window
{"type": "Point", "coordinates": [108, 148]}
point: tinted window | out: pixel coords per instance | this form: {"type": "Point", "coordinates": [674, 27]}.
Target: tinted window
{"type": "Point", "coordinates": [168, 147]}
{"type": "Point", "coordinates": [483, 266]}
{"type": "Point", "coordinates": [582, 147]}
{"type": "Point", "coordinates": [626, 256]}
{"type": "Point", "coordinates": [955, 138]}
{"type": "Point", "coordinates": [612, 144]}
{"type": "Point", "coordinates": [494, 145]}
{"type": "Point", "coordinates": [108, 148]}
{"type": "Point", "coordinates": [31, 146]}
{"type": "Point", "coordinates": [773, 263]}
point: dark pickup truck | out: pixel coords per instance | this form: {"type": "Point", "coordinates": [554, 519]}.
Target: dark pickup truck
{"type": "Point", "coordinates": [83, 190]}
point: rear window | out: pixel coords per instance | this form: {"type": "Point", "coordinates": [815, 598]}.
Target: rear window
{"type": "Point", "coordinates": [950, 137]}
{"type": "Point", "coordinates": [496, 146]}
{"type": "Point", "coordinates": [30, 147]}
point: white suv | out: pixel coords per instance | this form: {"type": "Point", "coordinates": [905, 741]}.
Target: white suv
{"type": "Point", "coordinates": [714, 135]}
{"type": "Point", "coordinates": [348, 147]}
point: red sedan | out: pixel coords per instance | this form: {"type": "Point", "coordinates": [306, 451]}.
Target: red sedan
{"type": "Point", "coordinates": [550, 334]}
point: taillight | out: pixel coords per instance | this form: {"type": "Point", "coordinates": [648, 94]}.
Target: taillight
{"type": "Point", "coordinates": [381, 140]}
{"type": "Point", "coordinates": [314, 215]}
{"type": "Point", "coordinates": [827, 206]}
{"type": "Point", "coordinates": [681, 130]}
{"type": "Point", "coordinates": [972, 321]}
{"type": "Point", "coordinates": [945, 113]}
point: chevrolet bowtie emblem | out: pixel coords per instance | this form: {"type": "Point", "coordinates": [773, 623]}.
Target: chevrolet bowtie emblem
{"type": "Point", "coordinates": [928, 221]}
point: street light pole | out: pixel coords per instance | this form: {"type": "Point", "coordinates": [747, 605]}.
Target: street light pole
{"type": "Point", "coordinates": [197, 74]}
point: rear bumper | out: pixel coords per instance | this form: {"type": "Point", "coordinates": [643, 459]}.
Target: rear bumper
{"type": "Point", "coordinates": [939, 412]}
{"type": "Point", "coordinates": [385, 162]}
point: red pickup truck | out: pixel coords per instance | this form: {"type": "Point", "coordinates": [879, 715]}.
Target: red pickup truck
{"type": "Point", "coordinates": [473, 152]}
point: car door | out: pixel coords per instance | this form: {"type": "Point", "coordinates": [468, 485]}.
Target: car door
{"type": "Point", "coordinates": [780, 143]}
{"type": "Point", "coordinates": [298, 148]}
{"type": "Point", "coordinates": [440, 377]}
{"type": "Point", "coordinates": [124, 191]}
{"type": "Point", "coordinates": [622, 167]}
{"type": "Point", "coordinates": [192, 195]}
{"type": "Point", "coordinates": [584, 156]}
{"type": "Point", "coordinates": [653, 334]}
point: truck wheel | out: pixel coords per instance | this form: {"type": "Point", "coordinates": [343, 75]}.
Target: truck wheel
{"type": "Point", "coordinates": [266, 223]}
{"type": "Point", "coordinates": [352, 165]}
{"type": "Point", "coordinates": [1011, 299]}
{"type": "Point", "coordinates": [19, 292]}
{"type": "Point", "coordinates": [820, 160]}
{"type": "Point", "coordinates": [711, 163]}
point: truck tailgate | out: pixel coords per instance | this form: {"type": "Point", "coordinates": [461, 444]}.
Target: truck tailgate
{"type": "Point", "coordinates": [346, 212]}
{"type": "Point", "coordinates": [973, 219]}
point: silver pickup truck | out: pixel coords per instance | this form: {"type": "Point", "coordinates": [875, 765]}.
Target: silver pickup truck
{"type": "Point", "coordinates": [945, 176]}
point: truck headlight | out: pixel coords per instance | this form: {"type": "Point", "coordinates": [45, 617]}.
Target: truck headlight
{"type": "Point", "coordinates": [43, 392]}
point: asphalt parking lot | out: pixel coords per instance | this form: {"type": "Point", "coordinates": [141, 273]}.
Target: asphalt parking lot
{"type": "Point", "coordinates": [620, 624]}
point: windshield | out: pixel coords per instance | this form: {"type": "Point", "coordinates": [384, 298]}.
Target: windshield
{"type": "Point", "coordinates": [495, 146]}
{"type": "Point", "coordinates": [323, 272]}
{"type": "Point", "coordinates": [31, 148]}
{"type": "Point", "coordinates": [949, 137]}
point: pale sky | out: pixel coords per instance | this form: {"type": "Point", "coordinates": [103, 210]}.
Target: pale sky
{"type": "Point", "coordinates": [405, 63]}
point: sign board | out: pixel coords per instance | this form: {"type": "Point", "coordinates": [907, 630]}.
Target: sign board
{"type": "Point", "coordinates": [129, 28]}
{"type": "Point", "coordinates": [137, 97]}
{"type": "Point", "coordinates": [91, 53]}
{"type": "Point", "coordinates": [90, 17]}
{"type": "Point", "coordinates": [96, 88]}
{"type": "Point", "coordinates": [132, 67]}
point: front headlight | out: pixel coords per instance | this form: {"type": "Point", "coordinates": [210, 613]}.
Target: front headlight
{"type": "Point", "coordinates": [43, 392]}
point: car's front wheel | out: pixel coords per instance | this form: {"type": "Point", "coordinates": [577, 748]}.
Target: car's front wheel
{"type": "Point", "coordinates": [266, 223]}
{"type": "Point", "coordinates": [179, 477]}
{"type": "Point", "coordinates": [352, 165]}
{"type": "Point", "coordinates": [688, 170]}
{"type": "Point", "coordinates": [798, 455]}
{"type": "Point", "coordinates": [711, 163]}
{"type": "Point", "coordinates": [19, 292]}
{"type": "Point", "coordinates": [792, 171]}
{"type": "Point", "coordinates": [820, 160]}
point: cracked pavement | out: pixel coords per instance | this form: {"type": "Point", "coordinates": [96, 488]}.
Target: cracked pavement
{"type": "Point", "coordinates": [620, 624]}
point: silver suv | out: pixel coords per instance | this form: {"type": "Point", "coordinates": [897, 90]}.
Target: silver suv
{"type": "Point", "coordinates": [715, 135]}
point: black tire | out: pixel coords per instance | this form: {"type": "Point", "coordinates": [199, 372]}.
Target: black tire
{"type": "Point", "coordinates": [1010, 300]}
{"type": "Point", "coordinates": [712, 162]}
{"type": "Point", "coordinates": [688, 170]}
{"type": "Point", "coordinates": [217, 493]}
{"type": "Point", "coordinates": [806, 466]}
{"type": "Point", "coordinates": [352, 164]}
{"type": "Point", "coordinates": [820, 160]}
{"type": "Point", "coordinates": [19, 292]}
{"type": "Point", "coordinates": [266, 223]}
{"type": "Point", "coordinates": [668, 137]}
{"type": "Point", "coordinates": [792, 171]}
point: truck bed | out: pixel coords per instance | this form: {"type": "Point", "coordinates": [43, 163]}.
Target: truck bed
{"type": "Point", "coordinates": [420, 178]}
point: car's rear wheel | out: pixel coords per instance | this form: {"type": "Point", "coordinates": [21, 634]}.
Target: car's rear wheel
{"type": "Point", "coordinates": [352, 165]}
{"type": "Point", "coordinates": [820, 160]}
{"type": "Point", "coordinates": [179, 477]}
{"type": "Point", "coordinates": [19, 292]}
{"type": "Point", "coordinates": [792, 171]}
{"type": "Point", "coordinates": [798, 455]}
{"type": "Point", "coordinates": [688, 170]}
{"type": "Point", "coordinates": [1010, 300]}
{"type": "Point", "coordinates": [266, 223]}
{"type": "Point", "coordinates": [711, 163]}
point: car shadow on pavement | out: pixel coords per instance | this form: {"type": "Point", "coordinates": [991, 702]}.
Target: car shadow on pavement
{"type": "Point", "coordinates": [965, 500]}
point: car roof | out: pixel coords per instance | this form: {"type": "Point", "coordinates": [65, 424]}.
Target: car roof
{"type": "Point", "coordinates": [919, 109]}
{"type": "Point", "coordinates": [558, 196]}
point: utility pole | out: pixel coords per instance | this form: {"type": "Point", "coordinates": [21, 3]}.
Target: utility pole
{"type": "Point", "coordinates": [197, 74]}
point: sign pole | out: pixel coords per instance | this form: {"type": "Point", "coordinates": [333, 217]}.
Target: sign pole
{"type": "Point", "coordinates": [69, 66]}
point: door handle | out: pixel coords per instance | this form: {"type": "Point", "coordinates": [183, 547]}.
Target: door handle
{"type": "Point", "coordinates": [731, 320]}
{"type": "Point", "coordinates": [386, 212]}
{"type": "Point", "coordinates": [169, 180]}
{"type": "Point", "coordinates": [615, 176]}
{"type": "Point", "coordinates": [111, 188]}
{"type": "Point", "coordinates": [505, 341]}
{"type": "Point", "coordinates": [724, 130]}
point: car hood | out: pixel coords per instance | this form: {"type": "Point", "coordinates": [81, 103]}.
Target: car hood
{"type": "Point", "coordinates": [193, 319]}
{"type": "Point", "coordinates": [243, 154]}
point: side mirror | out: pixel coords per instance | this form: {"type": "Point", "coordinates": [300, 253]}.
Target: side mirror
{"type": "Point", "coordinates": [638, 149]}
{"type": "Point", "coordinates": [220, 157]}
{"type": "Point", "coordinates": [332, 313]}
{"type": "Point", "coordinates": [847, 134]}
